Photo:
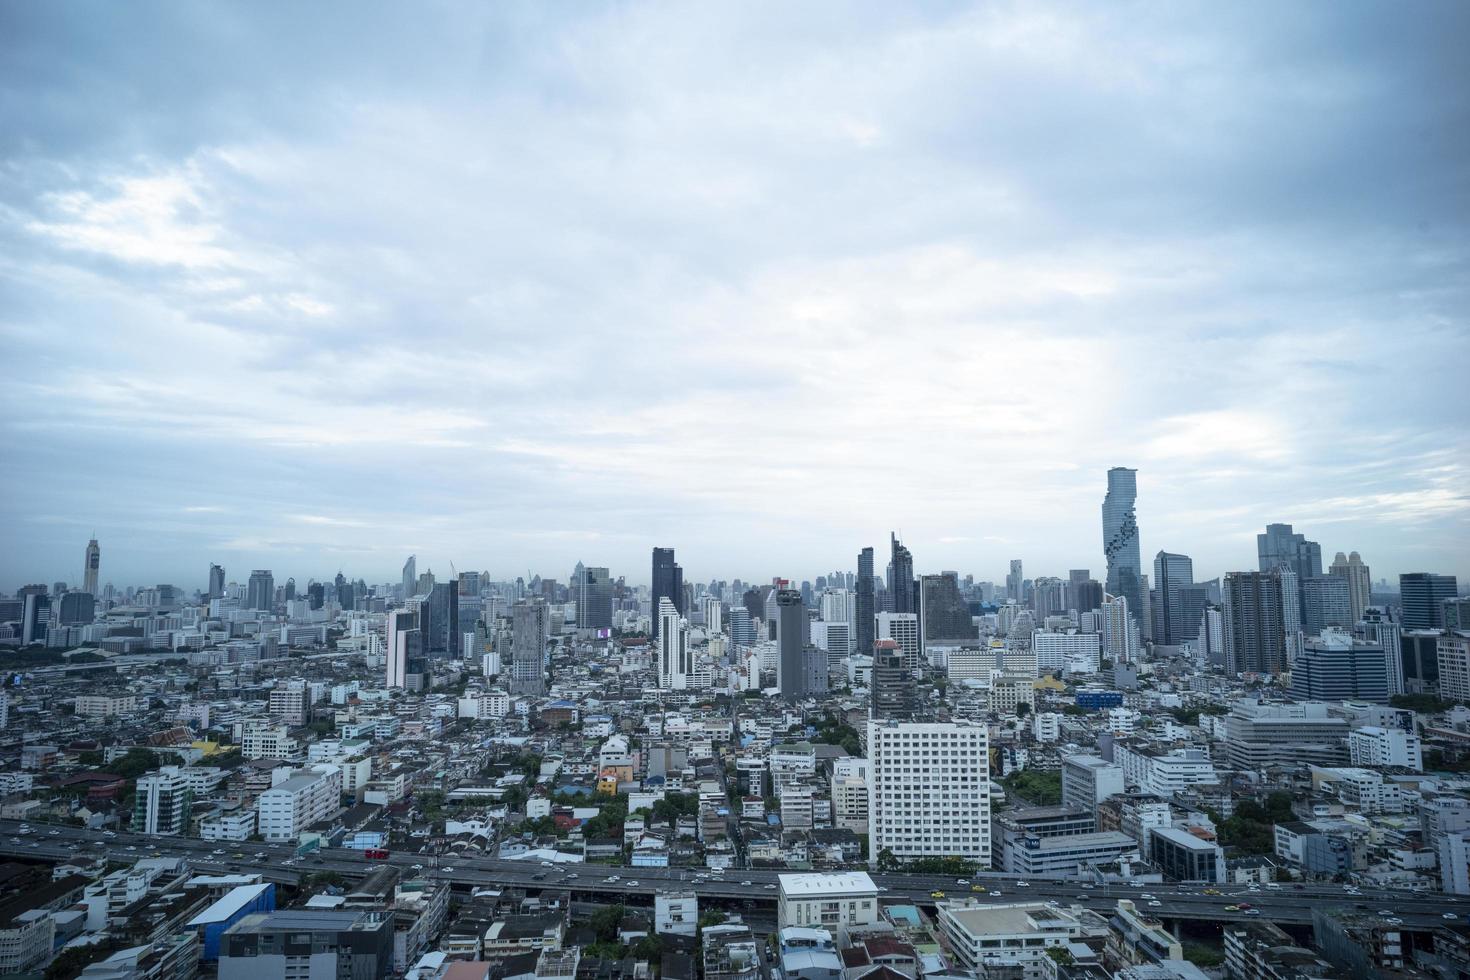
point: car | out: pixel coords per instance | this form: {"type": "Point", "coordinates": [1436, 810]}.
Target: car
{"type": "Point", "coordinates": [1022, 884]}
{"type": "Point", "coordinates": [996, 892]}
{"type": "Point", "coordinates": [978, 888]}
{"type": "Point", "coordinates": [1232, 908]}
{"type": "Point", "coordinates": [548, 864]}
{"type": "Point", "coordinates": [936, 894]}
{"type": "Point", "coordinates": [1212, 891]}
{"type": "Point", "coordinates": [238, 854]}
{"type": "Point", "coordinates": [258, 855]}
{"type": "Point", "coordinates": [132, 847]}
{"type": "Point", "coordinates": [1146, 896]}
{"type": "Point", "coordinates": [218, 852]}
{"type": "Point", "coordinates": [539, 876]}
{"type": "Point", "coordinates": [1252, 911]}
{"type": "Point", "coordinates": [1448, 915]}
{"type": "Point", "coordinates": [1245, 906]}
{"type": "Point", "coordinates": [1089, 886]}
{"type": "Point", "coordinates": [746, 884]}
{"type": "Point", "coordinates": [962, 881]}
{"type": "Point", "coordinates": [55, 833]}
{"type": "Point", "coordinates": [1156, 904]}
{"type": "Point", "coordinates": [770, 886]}
{"type": "Point", "coordinates": [109, 833]}
{"type": "Point", "coordinates": [571, 876]}
{"type": "Point", "coordinates": [615, 878]}
{"type": "Point", "coordinates": [448, 870]}
{"type": "Point", "coordinates": [632, 884]}
{"type": "Point", "coordinates": [1394, 921]}
{"type": "Point", "coordinates": [1135, 884]}
{"type": "Point", "coordinates": [1385, 913]}
{"type": "Point", "coordinates": [609, 881]}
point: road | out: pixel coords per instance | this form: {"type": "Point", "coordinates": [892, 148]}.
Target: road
{"type": "Point", "coordinates": [588, 882]}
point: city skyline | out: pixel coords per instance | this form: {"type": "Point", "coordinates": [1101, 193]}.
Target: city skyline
{"type": "Point", "coordinates": [525, 286]}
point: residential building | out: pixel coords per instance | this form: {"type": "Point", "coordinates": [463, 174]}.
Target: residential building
{"type": "Point", "coordinates": [1336, 667]}
{"type": "Point", "coordinates": [1376, 747]}
{"type": "Point", "coordinates": [834, 901]}
{"type": "Point", "coordinates": [308, 944]}
{"type": "Point", "coordinates": [298, 801]}
{"type": "Point", "coordinates": [1452, 651]}
{"type": "Point", "coordinates": [1006, 940]}
{"type": "Point", "coordinates": [1259, 735]}
{"type": "Point", "coordinates": [161, 802]}
{"type": "Point", "coordinates": [929, 790]}
{"type": "Point", "coordinates": [1183, 856]}
{"type": "Point", "coordinates": [1088, 780]}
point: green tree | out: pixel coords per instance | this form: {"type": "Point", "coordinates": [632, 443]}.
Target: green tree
{"type": "Point", "coordinates": [650, 948]}
{"type": "Point", "coordinates": [605, 922]}
{"type": "Point", "coordinates": [135, 763]}
{"type": "Point", "coordinates": [712, 917]}
{"type": "Point", "coordinates": [1022, 709]}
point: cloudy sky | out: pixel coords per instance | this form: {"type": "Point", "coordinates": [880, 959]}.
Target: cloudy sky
{"type": "Point", "coordinates": [311, 287]}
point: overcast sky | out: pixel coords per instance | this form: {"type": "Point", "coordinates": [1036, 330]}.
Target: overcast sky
{"type": "Point", "coordinates": [309, 287]}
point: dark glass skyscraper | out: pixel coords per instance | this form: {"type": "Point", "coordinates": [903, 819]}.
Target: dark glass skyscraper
{"type": "Point", "coordinates": [1172, 574]}
{"type": "Point", "coordinates": [901, 577]}
{"type": "Point", "coordinates": [668, 583]}
{"type": "Point", "coordinates": [942, 610]}
{"type": "Point", "coordinates": [439, 619]}
{"type": "Point", "coordinates": [864, 604]}
{"type": "Point", "coordinates": [791, 641]}
{"type": "Point", "coordinates": [1422, 595]}
{"type": "Point", "coordinates": [216, 581]}
{"type": "Point", "coordinates": [261, 592]}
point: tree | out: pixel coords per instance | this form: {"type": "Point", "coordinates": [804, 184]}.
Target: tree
{"type": "Point", "coordinates": [605, 922]}
{"type": "Point", "coordinates": [887, 862]}
{"type": "Point", "coordinates": [1022, 709]}
{"type": "Point", "coordinates": [650, 948]}
{"type": "Point", "coordinates": [135, 763]}
{"type": "Point", "coordinates": [711, 917]}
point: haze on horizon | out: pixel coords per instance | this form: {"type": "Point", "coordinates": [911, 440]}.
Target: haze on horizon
{"type": "Point", "coordinates": [513, 286]}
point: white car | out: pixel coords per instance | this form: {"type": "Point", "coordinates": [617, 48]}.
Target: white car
{"type": "Point", "coordinates": [745, 884]}
{"type": "Point", "coordinates": [1022, 884]}
{"type": "Point", "coordinates": [632, 884]}
{"type": "Point", "coordinates": [1155, 904]}
{"type": "Point", "coordinates": [1448, 915]}
{"type": "Point", "coordinates": [770, 887]}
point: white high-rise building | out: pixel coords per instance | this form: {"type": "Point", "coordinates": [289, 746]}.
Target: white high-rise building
{"type": "Point", "coordinates": [850, 794]}
{"type": "Point", "coordinates": [675, 659]}
{"type": "Point", "coordinates": [929, 790]}
{"type": "Point", "coordinates": [1058, 653]}
{"type": "Point", "coordinates": [713, 613]}
{"type": "Point", "coordinates": [839, 606]}
{"type": "Point", "coordinates": [89, 569]}
{"type": "Point", "coordinates": [401, 623]}
{"type": "Point", "coordinates": [1359, 579]}
{"type": "Point", "coordinates": [1120, 633]}
{"type": "Point", "coordinates": [903, 628]}
{"type": "Point", "coordinates": [162, 802]}
{"type": "Point", "coordinates": [1453, 649]}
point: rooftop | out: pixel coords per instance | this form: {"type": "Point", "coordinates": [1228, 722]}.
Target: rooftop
{"type": "Point", "coordinates": [823, 885]}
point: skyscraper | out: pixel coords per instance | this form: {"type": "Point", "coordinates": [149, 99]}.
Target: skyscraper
{"type": "Point", "coordinates": [1120, 538]}
{"type": "Point", "coordinates": [1280, 545]}
{"type": "Point", "coordinates": [791, 642]}
{"type": "Point", "coordinates": [402, 641]}
{"type": "Point", "coordinates": [942, 610]}
{"type": "Point", "coordinates": [668, 583]}
{"type": "Point", "coordinates": [675, 659]}
{"type": "Point", "coordinates": [865, 608]}
{"type": "Point", "coordinates": [261, 592]}
{"type": "Point", "coordinates": [411, 576]}
{"type": "Point", "coordinates": [893, 690]}
{"type": "Point", "coordinates": [89, 568]}
{"type": "Point", "coordinates": [438, 612]}
{"type": "Point", "coordinates": [901, 577]}
{"type": "Point", "coordinates": [1013, 581]}
{"type": "Point", "coordinates": [594, 597]}
{"type": "Point", "coordinates": [1254, 628]}
{"type": "Point", "coordinates": [1326, 601]}
{"type": "Point", "coordinates": [216, 581]}
{"type": "Point", "coordinates": [1422, 595]}
{"type": "Point", "coordinates": [530, 625]}
{"type": "Point", "coordinates": [1172, 574]}
{"type": "Point", "coordinates": [1359, 579]}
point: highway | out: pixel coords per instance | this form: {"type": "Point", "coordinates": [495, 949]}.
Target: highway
{"type": "Point", "coordinates": [1287, 904]}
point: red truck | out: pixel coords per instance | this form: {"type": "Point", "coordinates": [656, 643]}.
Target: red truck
{"type": "Point", "coordinates": [375, 854]}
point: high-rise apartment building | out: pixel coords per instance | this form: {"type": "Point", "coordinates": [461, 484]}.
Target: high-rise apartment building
{"type": "Point", "coordinates": [942, 610]}
{"type": "Point", "coordinates": [261, 593]}
{"type": "Point", "coordinates": [1280, 545]}
{"type": "Point", "coordinates": [893, 690]}
{"type": "Point", "coordinates": [1326, 602]}
{"type": "Point", "coordinates": [530, 627]}
{"type": "Point", "coordinates": [90, 566]}
{"type": "Point", "coordinates": [668, 583]}
{"type": "Point", "coordinates": [1453, 652]}
{"type": "Point", "coordinates": [216, 581]}
{"type": "Point", "coordinates": [865, 611]}
{"type": "Point", "coordinates": [675, 658]}
{"type": "Point", "coordinates": [161, 802]}
{"type": "Point", "coordinates": [742, 630]}
{"type": "Point", "coordinates": [1087, 780]}
{"type": "Point", "coordinates": [929, 790]}
{"type": "Point", "coordinates": [402, 642]}
{"type": "Point", "coordinates": [1422, 595]}
{"type": "Point", "coordinates": [1255, 633]}
{"type": "Point", "coordinates": [1173, 574]}
{"type": "Point", "coordinates": [903, 627]}
{"type": "Point", "coordinates": [1120, 539]}
{"type": "Point", "coordinates": [1359, 580]}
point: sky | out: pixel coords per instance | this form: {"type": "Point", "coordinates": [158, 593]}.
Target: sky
{"type": "Point", "coordinates": [314, 287]}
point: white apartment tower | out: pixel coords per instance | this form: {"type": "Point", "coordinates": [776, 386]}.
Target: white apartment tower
{"type": "Point", "coordinates": [675, 659]}
{"type": "Point", "coordinates": [929, 790]}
